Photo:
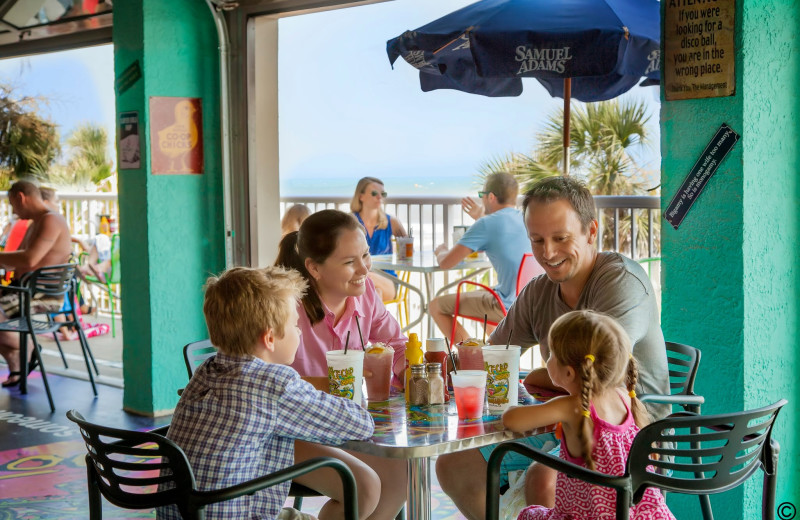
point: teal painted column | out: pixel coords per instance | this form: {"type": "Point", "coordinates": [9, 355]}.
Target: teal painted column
{"type": "Point", "coordinates": [731, 282]}
{"type": "Point", "coordinates": [172, 225]}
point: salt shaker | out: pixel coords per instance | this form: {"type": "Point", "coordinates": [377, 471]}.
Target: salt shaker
{"type": "Point", "coordinates": [435, 383]}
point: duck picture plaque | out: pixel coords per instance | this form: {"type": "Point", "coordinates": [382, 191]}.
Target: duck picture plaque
{"type": "Point", "coordinates": [176, 135]}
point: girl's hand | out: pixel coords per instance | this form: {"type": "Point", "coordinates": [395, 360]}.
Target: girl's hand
{"type": "Point", "coordinates": [526, 418]}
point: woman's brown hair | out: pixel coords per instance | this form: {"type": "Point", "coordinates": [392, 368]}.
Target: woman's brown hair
{"type": "Point", "coordinates": [317, 240]}
{"type": "Point", "coordinates": [599, 349]}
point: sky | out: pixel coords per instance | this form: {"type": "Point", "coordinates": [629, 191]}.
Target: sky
{"type": "Point", "coordinates": [344, 113]}
{"type": "Point", "coordinates": [78, 86]}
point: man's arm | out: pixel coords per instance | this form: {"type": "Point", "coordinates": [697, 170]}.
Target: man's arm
{"type": "Point", "coordinates": [448, 258]}
{"type": "Point", "coordinates": [540, 378]}
{"type": "Point", "coordinates": [38, 246]}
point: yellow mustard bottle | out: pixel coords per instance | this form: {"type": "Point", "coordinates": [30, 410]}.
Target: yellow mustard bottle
{"type": "Point", "coordinates": [414, 356]}
{"type": "Point", "coordinates": [105, 226]}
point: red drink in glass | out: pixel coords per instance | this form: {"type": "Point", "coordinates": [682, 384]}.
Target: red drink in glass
{"type": "Point", "coordinates": [469, 387]}
{"type": "Point", "coordinates": [378, 360]}
{"type": "Point", "coordinates": [470, 355]}
{"type": "Point", "coordinates": [469, 402]}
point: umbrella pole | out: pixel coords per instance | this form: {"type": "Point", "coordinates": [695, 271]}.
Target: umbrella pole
{"type": "Point", "coordinates": [567, 96]}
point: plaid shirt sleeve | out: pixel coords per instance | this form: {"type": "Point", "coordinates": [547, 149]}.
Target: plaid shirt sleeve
{"type": "Point", "coordinates": [310, 415]}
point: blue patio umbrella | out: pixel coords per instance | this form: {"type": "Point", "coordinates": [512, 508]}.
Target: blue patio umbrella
{"type": "Point", "coordinates": [592, 50]}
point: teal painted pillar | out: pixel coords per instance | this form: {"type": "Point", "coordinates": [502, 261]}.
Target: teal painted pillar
{"type": "Point", "coordinates": [172, 225]}
{"type": "Point", "coordinates": [732, 270]}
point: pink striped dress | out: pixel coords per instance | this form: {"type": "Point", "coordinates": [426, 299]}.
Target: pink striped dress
{"type": "Point", "coordinates": [578, 500]}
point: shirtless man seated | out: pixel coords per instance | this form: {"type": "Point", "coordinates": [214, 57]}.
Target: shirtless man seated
{"type": "Point", "coordinates": [47, 242]}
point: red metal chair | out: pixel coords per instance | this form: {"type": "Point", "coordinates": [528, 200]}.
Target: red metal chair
{"type": "Point", "coordinates": [15, 237]}
{"type": "Point", "coordinates": [528, 268]}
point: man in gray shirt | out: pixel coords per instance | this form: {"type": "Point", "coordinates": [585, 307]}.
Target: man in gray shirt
{"type": "Point", "coordinates": [559, 215]}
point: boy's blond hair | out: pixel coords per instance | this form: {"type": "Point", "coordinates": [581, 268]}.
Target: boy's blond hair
{"type": "Point", "coordinates": [242, 303]}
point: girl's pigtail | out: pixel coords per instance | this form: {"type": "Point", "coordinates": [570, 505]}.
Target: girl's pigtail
{"type": "Point", "coordinates": [640, 414]}
{"type": "Point", "coordinates": [586, 430]}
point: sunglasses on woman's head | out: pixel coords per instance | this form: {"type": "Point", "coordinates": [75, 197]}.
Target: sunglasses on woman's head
{"type": "Point", "coordinates": [482, 194]}
{"type": "Point", "coordinates": [382, 193]}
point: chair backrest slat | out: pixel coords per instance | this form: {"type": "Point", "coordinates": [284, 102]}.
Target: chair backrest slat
{"type": "Point", "coordinates": [127, 462]}
{"type": "Point", "coordinates": [52, 280]}
{"type": "Point", "coordinates": [705, 454]}
{"type": "Point", "coordinates": [115, 275]}
{"type": "Point", "coordinates": [196, 352]}
{"type": "Point", "coordinates": [683, 361]}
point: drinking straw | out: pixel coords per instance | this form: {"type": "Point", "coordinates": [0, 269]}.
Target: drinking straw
{"type": "Point", "coordinates": [485, 318]}
{"type": "Point", "coordinates": [359, 334]}
{"type": "Point", "coordinates": [346, 342]}
{"type": "Point", "coordinates": [452, 359]}
{"type": "Point", "coordinates": [508, 341]}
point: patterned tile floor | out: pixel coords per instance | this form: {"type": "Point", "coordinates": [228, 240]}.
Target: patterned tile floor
{"type": "Point", "coordinates": [42, 472]}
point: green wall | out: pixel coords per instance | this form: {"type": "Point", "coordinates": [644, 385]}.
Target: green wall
{"type": "Point", "coordinates": [731, 278]}
{"type": "Point", "coordinates": [172, 224]}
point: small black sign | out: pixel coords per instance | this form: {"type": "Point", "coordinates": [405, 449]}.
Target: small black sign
{"type": "Point", "coordinates": [128, 77]}
{"type": "Point", "coordinates": [703, 169]}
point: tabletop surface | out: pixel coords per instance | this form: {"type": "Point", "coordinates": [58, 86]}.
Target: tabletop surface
{"type": "Point", "coordinates": [424, 262]}
{"type": "Point", "coordinates": [424, 431]}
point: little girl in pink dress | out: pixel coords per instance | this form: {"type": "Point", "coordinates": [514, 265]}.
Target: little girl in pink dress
{"type": "Point", "coordinates": [590, 357]}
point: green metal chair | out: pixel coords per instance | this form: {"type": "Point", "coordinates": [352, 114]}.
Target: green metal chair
{"type": "Point", "coordinates": [113, 277]}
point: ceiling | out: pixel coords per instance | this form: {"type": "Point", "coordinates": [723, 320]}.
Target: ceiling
{"type": "Point", "coordinates": [37, 26]}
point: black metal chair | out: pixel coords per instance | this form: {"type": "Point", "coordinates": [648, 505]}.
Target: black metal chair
{"type": "Point", "coordinates": [683, 362]}
{"type": "Point", "coordinates": [196, 352]}
{"type": "Point", "coordinates": [684, 453]}
{"type": "Point", "coordinates": [120, 466]}
{"type": "Point", "coordinates": [53, 283]}
{"type": "Point", "coordinates": [65, 312]}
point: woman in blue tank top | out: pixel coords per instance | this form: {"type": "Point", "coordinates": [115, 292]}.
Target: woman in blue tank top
{"type": "Point", "coordinates": [379, 227]}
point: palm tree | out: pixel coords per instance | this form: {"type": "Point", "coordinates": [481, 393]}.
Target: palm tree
{"type": "Point", "coordinates": [87, 163]}
{"type": "Point", "coordinates": [603, 136]}
{"type": "Point", "coordinates": [28, 143]}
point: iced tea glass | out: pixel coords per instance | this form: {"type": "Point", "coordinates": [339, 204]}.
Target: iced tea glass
{"type": "Point", "coordinates": [378, 360]}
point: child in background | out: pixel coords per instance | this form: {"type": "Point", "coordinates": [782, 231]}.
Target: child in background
{"type": "Point", "coordinates": [590, 357]}
{"type": "Point", "coordinates": [293, 218]}
{"type": "Point", "coordinates": [242, 410]}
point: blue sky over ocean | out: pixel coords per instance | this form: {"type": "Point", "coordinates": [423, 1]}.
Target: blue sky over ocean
{"type": "Point", "coordinates": [344, 112]}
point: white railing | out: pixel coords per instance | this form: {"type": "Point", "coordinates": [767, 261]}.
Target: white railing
{"type": "Point", "coordinates": [432, 219]}
{"type": "Point", "coordinates": [82, 212]}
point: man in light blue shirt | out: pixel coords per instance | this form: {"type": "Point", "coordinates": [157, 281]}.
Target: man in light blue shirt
{"type": "Point", "coordinates": [501, 234]}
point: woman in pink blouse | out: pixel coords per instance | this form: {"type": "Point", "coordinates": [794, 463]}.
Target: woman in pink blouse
{"type": "Point", "coordinates": [332, 254]}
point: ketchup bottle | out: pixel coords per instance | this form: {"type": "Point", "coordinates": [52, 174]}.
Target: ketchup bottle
{"type": "Point", "coordinates": [435, 353]}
